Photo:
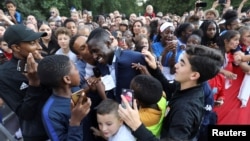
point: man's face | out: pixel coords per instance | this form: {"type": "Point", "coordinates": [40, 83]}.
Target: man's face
{"type": "Point", "coordinates": [81, 47]}
{"type": "Point", "coordinates": [24, 48]}
{"type": "Point", "coordinates": [102, 52]}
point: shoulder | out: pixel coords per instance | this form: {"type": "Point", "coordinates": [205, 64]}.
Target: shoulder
{"type": "Point", "coordinates": [124, 134]}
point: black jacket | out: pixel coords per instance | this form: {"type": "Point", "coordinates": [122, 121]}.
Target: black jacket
{"type": "Point", "coordinates": [186, 111]}
{"type": "Point", "coordinates": [26, 101]}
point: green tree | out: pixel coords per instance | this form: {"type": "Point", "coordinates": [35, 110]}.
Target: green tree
{"type": "Point", "coordinates": [40, 9]}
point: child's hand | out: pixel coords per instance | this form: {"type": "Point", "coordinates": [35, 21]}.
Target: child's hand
{"type": "Point", "coordinates": [79, 111]}
{"type": "Point", "coordinates": [130, 116]}
{"type": "Point", "coordinates": [96, 131]}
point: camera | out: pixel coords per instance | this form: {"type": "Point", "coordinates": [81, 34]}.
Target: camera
{"type": "Point", "coordinates": [201, 4]}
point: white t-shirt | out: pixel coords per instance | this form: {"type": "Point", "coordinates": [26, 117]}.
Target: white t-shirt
{"type": "Point", "coordinates": [72, 56]}
{"type": "Point", "coordinates": [123, 134]}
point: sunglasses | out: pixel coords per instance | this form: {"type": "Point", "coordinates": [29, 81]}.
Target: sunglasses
{"type": "Point", "coordinates": [52, 12]}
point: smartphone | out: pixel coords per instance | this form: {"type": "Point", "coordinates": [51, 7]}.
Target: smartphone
{"type": "Point", "coordinates": [97, 72]}
{"type": "Point", "coordinates": [201, 4]}
{"type": "Point", "coordinates": [123, 41]}
{"type": "Point", "coordinates": [22, 66]}
{"type": "Point", "coordinates": [222, 1]}
{"type": "Point", "coordinates": [76, 95]}
{"type": "Point", "coordinates": [129, 95]}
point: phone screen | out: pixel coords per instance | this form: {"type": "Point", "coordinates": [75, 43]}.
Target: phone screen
{"type": "Point", "coordinates": [76, 95]}
{"type": "Point", "coordinates": [129, 95]}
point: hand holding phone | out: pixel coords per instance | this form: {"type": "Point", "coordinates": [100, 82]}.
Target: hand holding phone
{"type": "Point", "coordinates": [76, 95]}
{"type": "Point", "coordinates": [129, 95]}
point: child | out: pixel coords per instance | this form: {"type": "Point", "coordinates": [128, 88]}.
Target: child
{"type": "Point", "coordinates": [110, 124]}
{"type": "Point", "coordinates": [149, 11]}
{"type": "Point", "coordinates": [5, 51]}
{"type": "Point", "coordinates": [210, 31]}
{"type": "Point", "coordinates": [186, 107]}
{"type": "Point", "coordinates": [152, 104]}
{"type": "Point", "coordinates": [63, 36]}
{"type": "Point", "coordinates": [61, 118]}
{"type": "Point", "coordinates": [14, 15]}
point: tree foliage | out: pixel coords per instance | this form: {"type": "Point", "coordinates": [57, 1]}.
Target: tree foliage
{"type": "Point", "coordinates": [40, 9]}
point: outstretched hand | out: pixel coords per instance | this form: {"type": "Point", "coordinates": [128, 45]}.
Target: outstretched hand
{"type": "Point", "coordinates": [130, 115]}
{"type": "Point", "coordinates": [150, 59]}
{"type": "Point", "coordinates": [143, 69]}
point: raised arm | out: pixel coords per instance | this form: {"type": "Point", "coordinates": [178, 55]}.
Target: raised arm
{"type": "Point", "coordinates": [240, 7]}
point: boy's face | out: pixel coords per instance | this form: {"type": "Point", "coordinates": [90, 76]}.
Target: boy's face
{"type": "Point", "coordinates": [11, 7]}
{"type": "Point", "coordinates": [74, 75]}
{"type": "Point", "coordinates": [52, 25]}
{"type": "Point", "coordinates": [149, 10]}
{"type": "Point", "coordinates": [2, 30]}
{"type": "Point", "coordinates": [183, 70]}
{"type": "Point", "coordinates": [63, 40]}
{"type": "Point", "coordinates": [193, 41]}
{"type": "Point", "coordinates": [4, 46]}
{"type": "Point", "coordinates": [109, 124]}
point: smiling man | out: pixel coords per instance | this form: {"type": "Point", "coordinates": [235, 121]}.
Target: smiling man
{"type": "Point", "coordinates": [103, 47]}
{"type": "Point", "coordinates": [21, 91]}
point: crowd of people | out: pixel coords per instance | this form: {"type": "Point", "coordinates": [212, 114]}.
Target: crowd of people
{"type": "Point", "coordinates": [185, 72]}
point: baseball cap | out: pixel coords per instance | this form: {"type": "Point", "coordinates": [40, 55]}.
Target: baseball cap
{"type": "Point", "coordinates": [15, 34]}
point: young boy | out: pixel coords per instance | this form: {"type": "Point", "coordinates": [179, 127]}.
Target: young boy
{"type": "Point", "coordinates": [63, 36]}
{"type": "Point", "coordinates": [110, 124]}
{"type": "Point", "coordinates": [5, 51]}
{"type": "Point", "coordinates": [152, 104]}
{"type": "Point", "coordinates": [61, 118]}
{"type": "Point", "coordinates": [186, 107]}
{"type": "Point", "coordinates": [15, 16]}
